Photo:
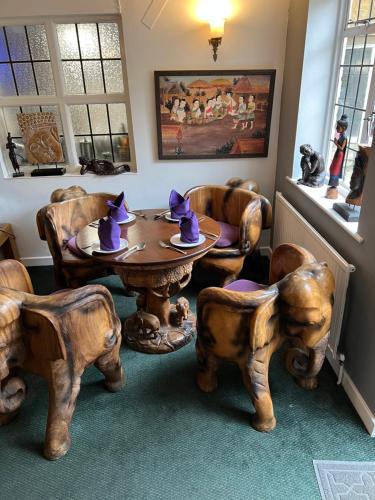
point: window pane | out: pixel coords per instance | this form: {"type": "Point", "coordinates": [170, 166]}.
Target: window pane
{"type": "Point", "coordinates": [109, 40]}
{"type": "Point", "coordinates": [355, 129]}
{"type": "Point", "coordinates": [67, 38]}
{"type": "Point", "coordinates": [102, 146]}
{"type": "Point", "coordinates": [343, 85]}
{"type": "Point", "coordinates": [84, 147]}
{"type": "Point", "coordinates": [93, 77]}
{"type": "Point", "coordinates": [113, 76]}
{"type": "Point", "coordinates": [17, 43]}
{"type": "Point", "coordinates": [11, 124]}
{"type": "Point", "coordinates": [347, 50]}
{"type": "Point", "coordinates": [38, 42]}
{"type": "Point", "coordinates": [24, 78]}
{"type": "Point", "coordinates": [80, 119]}
{"type": "Point", "coordinates": [364, 87]}
{"type": "Point", "coordinates": [7, 86]}
{"type": "Point", "coordinates": [88, 40]}
{"type": "Point", "coordinates": [358, 50]}
{"type": "Point", "coordinates": [117, 116]}
{"type": "Point", "coordinates": [44, 78]}
{"type": "Point", "coordinates": [364, 9]}
{"type": "Point", "coordinates": [99, 118]}
{"type": "Point", "coordinates": [121, 148]}
{"type": "Point", "coordinates": [370, 49]}
{"type": "Point", "coordinates": [73, 77]}
{"type": "Point", "coordinates": [353, 81]}
{"type": "Point", "coordinates": [4, 56]}
{"type": "Point", "coordinates": [348, 166]}
{"type": "Point", "coordinates": [353, 10]}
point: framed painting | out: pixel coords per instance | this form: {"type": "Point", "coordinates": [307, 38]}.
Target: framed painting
{"type": "Point", "coordinates": [213, 114]}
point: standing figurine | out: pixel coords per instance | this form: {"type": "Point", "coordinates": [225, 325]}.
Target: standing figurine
{"type": "Point", "coordinates": [335, 170]}
{"type": "Point", "coordinates": [13, 156]}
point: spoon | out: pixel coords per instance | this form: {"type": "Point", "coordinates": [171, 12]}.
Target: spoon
{"type": "Point", "coordinates": [135, 248]}
{"type": "Point", "coordinates": [138, 214]}
{"type": "Point", "coordinates": [165, 245]}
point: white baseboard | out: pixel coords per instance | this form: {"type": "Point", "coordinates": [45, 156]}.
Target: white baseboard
{"type": "Point", "coordinates": [265, 252]}
{"type": "Point", "coordinates": [37, 261]}
{"type": "Point", "coordinates": [360, 405]}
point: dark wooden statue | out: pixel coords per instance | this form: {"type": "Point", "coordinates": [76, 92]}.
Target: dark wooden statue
{"type": "Point", "coordinates": [350, 210]}
{"type": "Point", "coordinates": [56, 337]}
{"type": "Point", "coordinates": [312, 165]}
{"type": "Point", "coordinates": [101, 167]}
{"type": "Point", "coordinates": [13, 156]}
{"type": "Point", "coordinates": [248, 327]}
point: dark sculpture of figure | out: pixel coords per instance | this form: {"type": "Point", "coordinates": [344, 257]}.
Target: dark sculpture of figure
{"type": "Point", "coordinates": [312, 165]}
{"type": "Point", "coordinates": [348, 209]}
{"type": "Point", "coordinates": [101, 167]}
{"type": "Point", "coordinates": [357, 180]}
{"type": "Point", "coordinates": [335, 170]}
{"type": "Point", "coordinates": [13, 156]}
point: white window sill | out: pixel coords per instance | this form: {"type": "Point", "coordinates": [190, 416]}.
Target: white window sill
{"type": "Point", "coordinates": [71, 171]}
{"type": "Point", "coordinates": [317, 195]}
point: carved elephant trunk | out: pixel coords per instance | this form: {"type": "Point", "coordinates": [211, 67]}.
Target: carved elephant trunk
{"type": "Point", "coordinates": [304, 363]}
{"type": "Point", "coordinates": [12, 395]}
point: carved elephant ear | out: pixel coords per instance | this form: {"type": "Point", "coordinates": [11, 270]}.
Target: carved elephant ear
{"type": "Point", "coordinates": [264, 322]}
{"type": "Point", "coordinates": [44, 335]}
{"type": "Point", "coordinates": [305, 303]}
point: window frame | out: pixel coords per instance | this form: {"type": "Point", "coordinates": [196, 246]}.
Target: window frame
{"type": "Point", "coordinates": [60, 99]}
{"type": "Point", "coordinates": [344, 31]}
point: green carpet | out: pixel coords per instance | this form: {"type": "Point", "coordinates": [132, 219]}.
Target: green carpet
{"type": "Point", "coordinates": [161, 438]}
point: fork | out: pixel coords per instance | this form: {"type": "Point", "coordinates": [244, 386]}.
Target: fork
{"type": "Point", "coordinates": [165, 245]}
{"type": "Point", "coordinates": [135, 248]}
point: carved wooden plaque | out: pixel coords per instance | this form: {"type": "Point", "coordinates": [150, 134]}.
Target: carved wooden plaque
{"type": "Point", "coordinates": [42, 143]}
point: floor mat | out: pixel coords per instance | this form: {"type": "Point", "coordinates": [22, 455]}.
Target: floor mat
{"type": "Point", "coordinates": [345, 480]}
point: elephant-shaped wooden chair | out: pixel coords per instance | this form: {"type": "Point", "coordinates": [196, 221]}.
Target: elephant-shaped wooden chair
{"type": "Point", "coordinates": [58, 223]}
{"type": "Point", "coordinates": [248, 184]}
{"type": "Point", "coordinates": [242, 215]}
{"type": "Point", "coordinates": [246, 323]}
{"type": "Point", "coordinates": [57, 337]}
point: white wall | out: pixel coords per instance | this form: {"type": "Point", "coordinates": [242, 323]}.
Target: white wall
{"type": "Point", "coordinates": [254, 38]}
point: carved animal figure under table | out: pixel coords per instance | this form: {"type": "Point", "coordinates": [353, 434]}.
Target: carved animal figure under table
{"type": "Point", "coordinates": [101, 167]}
{"type": "Point", "coordinates": [248, 327]}
{"type": "Point", "coordinates": [56, 337]}
{"type": "Point", "coordinates": [312, 165]}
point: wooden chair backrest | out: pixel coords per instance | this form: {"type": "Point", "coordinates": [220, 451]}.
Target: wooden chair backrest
{"type": "Point", "coordinates": [227, 204]}
{"type": "Point", "coordinates": [65, 219]}
{"type": "Point", "coordinates": [14, 275]}
{"type": "Point", "coordinates": [248, 184]}
{"type": "Point", "coordinates": [287, 258]}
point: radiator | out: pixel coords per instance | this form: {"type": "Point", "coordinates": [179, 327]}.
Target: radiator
{"type": "Point", "coordinates": [291, 227]}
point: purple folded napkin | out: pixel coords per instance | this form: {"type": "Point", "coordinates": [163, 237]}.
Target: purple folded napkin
{"type": "Point", "coordinates": [117, 208]}
{"type": "Point", "coordinates": [189, 228]}
{"type": "Point", "coordinates": [109, 233]}
{"type": "Point", "coordinates": [178, 205]}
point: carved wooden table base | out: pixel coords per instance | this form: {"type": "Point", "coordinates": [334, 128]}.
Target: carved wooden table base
{"type": "Point", "coordinates": [158, 326]}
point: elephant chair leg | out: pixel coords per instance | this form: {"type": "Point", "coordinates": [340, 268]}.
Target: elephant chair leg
{"type": "Point", "coordinates": [64, 386]}
{"type": "Point", "coordinates": [208, 365]}
{"type": "Point", "coordinates": [255, 377]}
{"type": "Point", "coordinates": [110, 366]}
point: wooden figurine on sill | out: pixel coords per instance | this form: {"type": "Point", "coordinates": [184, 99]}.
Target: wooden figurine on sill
{"type": "Point", "coordinates": [312, 165]}
{"type": "Point", "coordinates": [348, 209]}
{"type": "Point", "coordinates": [13, 156]}
{"type": "Point", "coordinates": [335, 170]}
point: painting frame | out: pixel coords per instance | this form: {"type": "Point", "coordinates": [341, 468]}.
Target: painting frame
{"type": "Point", "coordinates": [166, 129]}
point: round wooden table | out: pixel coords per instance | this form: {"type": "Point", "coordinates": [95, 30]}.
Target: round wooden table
{"type": "Point", "coordinates": [157, 274]}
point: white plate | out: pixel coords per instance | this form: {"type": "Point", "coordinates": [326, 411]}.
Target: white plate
{"type": "Point", "coordinates": [176, 240]}
{"type": "Point", "coordinates": [129, 219]}
{"type": "Point", "coordinates": [168, 217]}
{"type": "Point", "coordinates": [96, 247]}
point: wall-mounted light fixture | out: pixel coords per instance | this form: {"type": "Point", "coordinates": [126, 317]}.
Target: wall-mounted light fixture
{"type": "Point", "coordinates": [216, 34]}
{"type": "Point", "coordinates": [215, 13]}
